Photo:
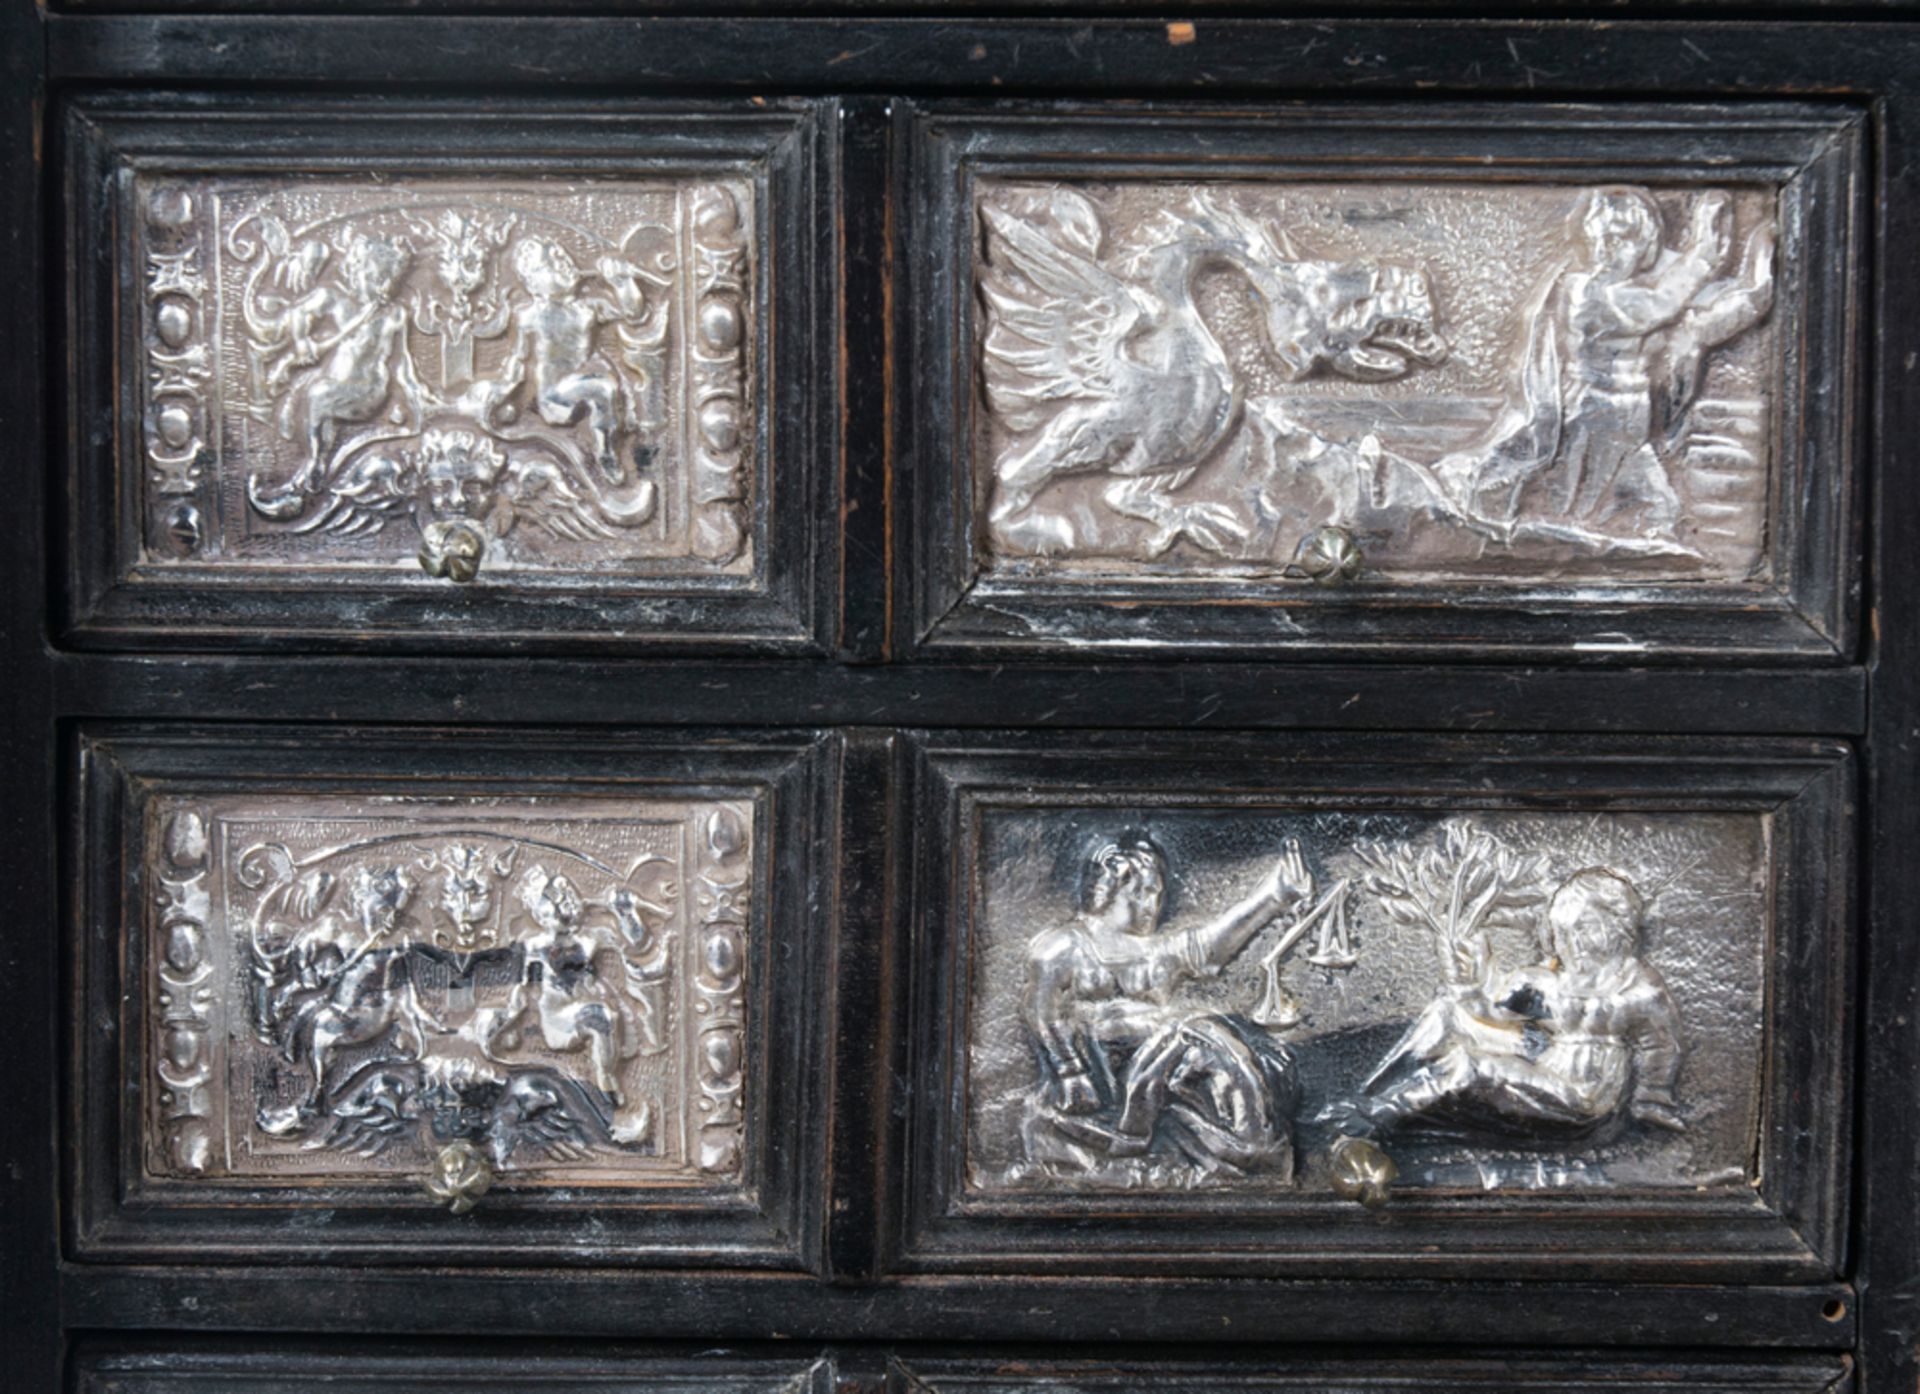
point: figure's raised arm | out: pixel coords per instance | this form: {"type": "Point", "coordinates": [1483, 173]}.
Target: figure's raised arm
{"type": "Point", "coordinates": [624, 280]}
{"type": "Point", "coordinates": [1218, 942]}
{"type": "Point", "coordinates": [1671, 287]}
{"type": "Point", "coordinates": [1736, 303]}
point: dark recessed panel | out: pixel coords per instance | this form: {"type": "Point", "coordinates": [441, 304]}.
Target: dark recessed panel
{"type": "Point", "coordinates": [202, 1368]}
{"type": "Point", "coordinates": [1437, 1375]}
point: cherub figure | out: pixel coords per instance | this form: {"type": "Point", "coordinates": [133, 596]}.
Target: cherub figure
{"type": "Point", "coordinates": [1563, 1049]}
{"type": "Point", "coordinates": [573, 1005]}
{"type": "Point", "coordinates": [1613, 362]}
{"type": "Point", "coordinates": [1125, 1071]}
{"type": "Point", "coordinates": [358, 363]}
{"type": "Point", "coordinates": [286, 324]}
{"type": "Point", "coordinates": [342, 982]}
{"type": "Point", "coordinates": [554, 342]}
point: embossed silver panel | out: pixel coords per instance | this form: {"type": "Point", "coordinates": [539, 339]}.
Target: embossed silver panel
{"type": "Point", "coordinates": [551, 988]}
{"type": "Point", "coordinates": [1171, 999]}
{"type": "Point", "coordinates": [1504, 381]}
{"type": "Point", "coordinates": [496, 374]}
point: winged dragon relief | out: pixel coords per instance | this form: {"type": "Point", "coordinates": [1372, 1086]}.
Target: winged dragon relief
{"type": "Point", "coordinates": [1176, 381]}
{"type": "Point", "coordinates": [1099, 360]}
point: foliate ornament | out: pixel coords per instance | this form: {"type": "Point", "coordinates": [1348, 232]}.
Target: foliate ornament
{"type": "Point", "coordinates": [1580, 1041]}
{"type": "Point", "coordinates": [463, 992]}
{"type": "Point", "coordinates": [1508, 382]}
{"type": "Point", "coordinates": [1219, 999]}
{"type": "Point", "coordinates": [469, 377]}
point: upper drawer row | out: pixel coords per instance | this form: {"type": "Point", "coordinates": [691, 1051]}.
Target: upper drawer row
{"type": "Point", "coordinates": [1287, 381]}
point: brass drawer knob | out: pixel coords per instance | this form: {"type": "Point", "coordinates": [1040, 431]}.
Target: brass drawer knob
{"type": "Point", "coordinates": [460, 1176]}
{"type": "Point", "coordinates": [1361, 1171]}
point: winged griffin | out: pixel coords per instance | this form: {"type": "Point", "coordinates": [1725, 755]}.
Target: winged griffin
{"type": "Point", "coordinates": [1099, 361]}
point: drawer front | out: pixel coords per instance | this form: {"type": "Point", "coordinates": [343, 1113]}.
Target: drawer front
{"type": "Point", "coordinates": [514, 980]}
{"type": "Point", "coordinates": [1315, 1004]}
{"type": "Point", "coordinates": [419, 372]}
{"type": "Point", "coordinates": [1323, 1375]}
{"type": "Point", "coordinates": [217, 1370]}
{"type": "Point", "coordinates": [535, 1368]}
{"type": "Point", "coordinates": [1325, 379]}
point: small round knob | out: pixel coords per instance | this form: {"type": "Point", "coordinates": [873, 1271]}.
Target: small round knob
{"type": "Point", "coordinates": [1361, 1171]}
{"type": "Point", "coordinates": [453, 550]}
{"type": "Point", "coordinates": [1327, 556]}
{"type": "Point", "coordinates": [460, 1176]}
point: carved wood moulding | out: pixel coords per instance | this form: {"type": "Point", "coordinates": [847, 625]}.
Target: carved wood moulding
{"type": "Point", "coordinates": [1446, 1006]}
{"type": "Point", "coordinates": [1452, 380]}
{"type": "Point", "coordinates": [441, 374]}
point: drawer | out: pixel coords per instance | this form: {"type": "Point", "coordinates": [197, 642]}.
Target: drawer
{"type": "Point", "coordinates": [533, 1369]}
{"type": "Point", "coordinates": [374, 996]}
{"type": "Point", "coordinates": [1588, 1374]}
{"type": "Point", "coordinates": [1455, 380]}
{"type": "Point", "coordinates": [1323, 1005]}
{"type": "Point", "coordinates": [423, 374]}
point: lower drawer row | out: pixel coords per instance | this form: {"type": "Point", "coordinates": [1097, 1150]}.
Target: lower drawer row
{"type": "Point", "coordinates": [529, 1370]}
{"type": "Point", "coordinates": [1258, 1004]}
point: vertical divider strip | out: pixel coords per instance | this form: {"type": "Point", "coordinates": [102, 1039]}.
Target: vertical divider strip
{"type": "Point", "coordinates": [863, 278]}
{"type": "Point", "coordinates": [29, 1164]}
{"type": "Point", "coordinates": [862, 977]}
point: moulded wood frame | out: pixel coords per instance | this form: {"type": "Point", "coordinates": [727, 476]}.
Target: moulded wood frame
{"type": "Point", "coordinates": [1582, 1373]}
{"type": "Point", "coordinates": [111, 599]}
{"type": "Point", "coordinates": [1800, 609]}
{"type": "Point", "coordinates": [207, 1367]}
{"type": "Point", "coordinates": [767, 1219]}
{"type": "Point", "coordinates": [1787, 1228]}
